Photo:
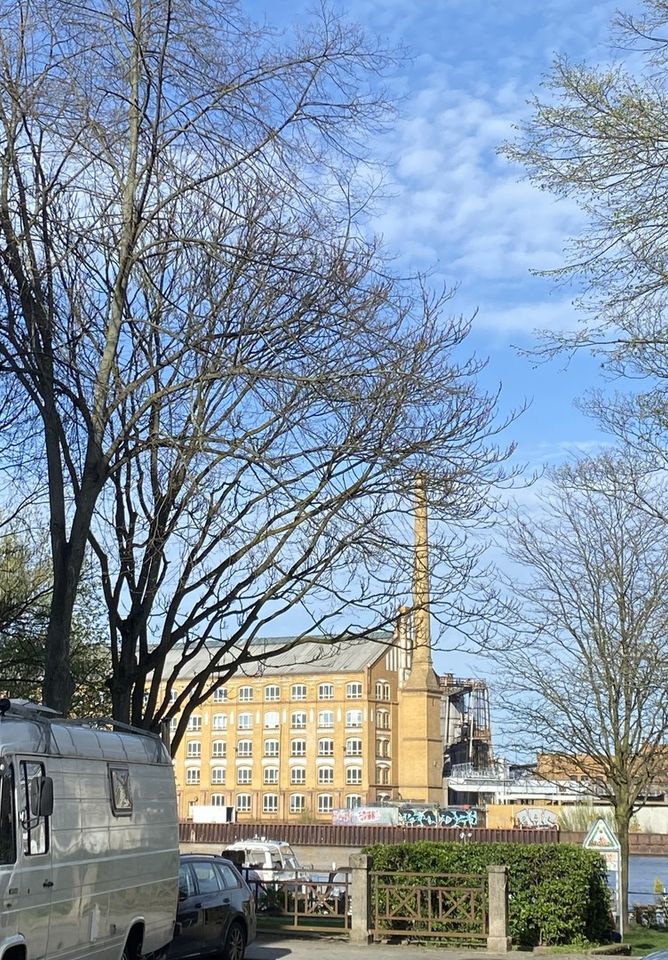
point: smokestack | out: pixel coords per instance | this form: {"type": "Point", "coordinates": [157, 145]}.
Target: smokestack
{"type": "Point", "coordinates": [422, 670]}
{"type": "Point", "coordinates": [422, 649]}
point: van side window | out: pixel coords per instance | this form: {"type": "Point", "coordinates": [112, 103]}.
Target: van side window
{"type": "Point", "coordinates": [7, 824]}
{"type": "Point", "coordinates": [121, 791]}
{"type": "Point", "coordinates": [35, 829]}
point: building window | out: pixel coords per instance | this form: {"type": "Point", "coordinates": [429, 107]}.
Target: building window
{"type": "Point", "coordinates": [354, 775]}
{"type": "Point", "coordinates": [353, 718]}
{"type": "Point", "coordinates": [245, 694]}
{"type": "Point", "coordinates": [382, 748]}
{"type": "Point", "coordinates": [325, 774]}
{"type": "Point", "coordinates": [298, 775]}
{"type": "Point", "coordinates": [298, 691]}
{"type": "Point", "coordinates": [244, 775]}
{"type": "Point", "coordinates": [245, 748]}
{"type": "Point", "coordinates": [191, 806]}
{"type": "Point", "coordinates": [297, 803]}
{"type": "Point", "coordinates": [270, 803]}
{"type": "Point", "coordinates": [326, 719]}
{"type": "Point", "coordinates": [298, 721]}
{"type": "Point", "coordinates": [325, 803]}
{"type": "Point", "coordinates": [194, 748]}
{"type": "Point", "coordinates": [192, 775]}
{"type": "Point", "coordinates": [271, 775]}
{"type": "Point", "coordinates": [219, 721]}
{"type": "Point", "coordinates": [220, 695]}
{"type": "Point", "coordinates": [243, 803]}
{"type": "Point", "coordinates": [219, 748]}
{"type": "Point", "coordinates": [383, 719]}
{"type": "Point", "coordinates": [173, 724]}
{"type": "Point", "coordinates": [353, 801]}
{"type": "Point", "coordinates": [326, 691]}
{"type": "Point", "coordinates": [353, 691]}
{"type": "Point", "coordinates": [382, 775]}
{"type": "Point", "coordinates": [218, 775]}
{"type": "Point", "coordinates": [217, 800]}
{"type": "Point", "coordinates": [272, 693]}
{"type": "Point", "coordinates": [194, 722]}
{"type": "Point", "coordinates": [325, 748]}
{"type": "Point", "coordinates": [298, 748]}
{"type": "Point", "coordinates": [245, 721]}
{"type": "Point", "coordinates": [272, 720]}
{"type": "Point", "coordinates": [271, 748]}
{"type": "Point", "coordinates": [382, 690]}
{"type": "Point", "coordinates": [353, 747]}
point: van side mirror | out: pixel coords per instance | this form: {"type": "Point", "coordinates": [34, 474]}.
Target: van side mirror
{"type": "Point", "coordinates": [41, 797]}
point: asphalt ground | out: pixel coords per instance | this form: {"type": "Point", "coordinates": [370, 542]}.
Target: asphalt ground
{"type": "Point", "coordinates": [270, 946]}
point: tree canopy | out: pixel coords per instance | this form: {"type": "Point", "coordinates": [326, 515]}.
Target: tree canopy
{"type": "Point", "coordinates": [583, 651]}
{"type": "Point", "coordinates": [204, 350]}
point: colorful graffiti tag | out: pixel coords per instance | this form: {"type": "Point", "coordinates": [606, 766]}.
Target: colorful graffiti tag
{"type": "Point", "coordinates": [449, 817]}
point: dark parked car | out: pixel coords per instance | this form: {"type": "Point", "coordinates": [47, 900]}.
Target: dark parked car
{"type": "Point", "coordinates": [216, 913]}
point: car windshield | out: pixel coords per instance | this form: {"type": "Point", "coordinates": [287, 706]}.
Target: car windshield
{"type": "Point", "coordinates": [7, 821]}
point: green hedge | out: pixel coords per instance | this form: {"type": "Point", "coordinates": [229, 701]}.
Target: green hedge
{"type": "Point", "coordinates": [558, 893]}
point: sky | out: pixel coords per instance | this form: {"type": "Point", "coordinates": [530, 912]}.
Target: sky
{"type": "Point", "coordinates": [459, 209]}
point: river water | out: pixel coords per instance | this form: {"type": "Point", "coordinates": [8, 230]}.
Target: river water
{"type": "Point", "coordinates": [643, 871]}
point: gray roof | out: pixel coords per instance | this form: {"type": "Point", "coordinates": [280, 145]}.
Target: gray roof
{"type": "Point", "coordinates": [307, 655]}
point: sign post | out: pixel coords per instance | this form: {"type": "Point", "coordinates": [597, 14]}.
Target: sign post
{"type": "Point", "coordinates": [602, 839]}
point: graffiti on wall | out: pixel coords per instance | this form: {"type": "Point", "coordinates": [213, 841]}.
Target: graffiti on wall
{"type": "Point", "coordinates": [448, 817]}
{"type": "Point", "coordinates": [536, 818]}
{"type": "Point", "coordinates": [365, 815]}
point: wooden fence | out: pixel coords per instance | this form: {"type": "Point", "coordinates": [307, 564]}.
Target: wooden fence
{"type": "Point", "coordinates": [330, 835]}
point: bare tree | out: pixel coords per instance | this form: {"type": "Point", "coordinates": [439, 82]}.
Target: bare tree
{"type": "Point", "coordinates": [584, 652]}
{"type": "Point", "coordinates": [227, 388]}
{"type": "Point", "coordinates": [597, 137]}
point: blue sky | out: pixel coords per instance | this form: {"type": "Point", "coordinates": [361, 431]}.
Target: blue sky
{"type": "Point", "coordinates": [456, 207]}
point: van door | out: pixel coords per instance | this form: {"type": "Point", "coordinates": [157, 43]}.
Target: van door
{"type": "Point", "coordinates": [9, 928]}
{"type": "Point", "coordinates": [35, 882]}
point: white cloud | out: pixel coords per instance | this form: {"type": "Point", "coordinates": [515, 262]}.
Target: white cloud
{"type": "Point", "coordinates": [526, 317]}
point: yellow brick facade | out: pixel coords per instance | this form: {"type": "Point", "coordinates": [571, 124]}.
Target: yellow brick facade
{"type": "Point", "coordinates": [295, 746]}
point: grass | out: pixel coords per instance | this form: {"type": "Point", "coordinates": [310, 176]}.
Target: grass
{"type": "Point", "coordinates": [643, 940]}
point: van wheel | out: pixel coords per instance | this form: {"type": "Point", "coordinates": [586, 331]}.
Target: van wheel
{"type": "Point", "coordinates": [130, 952]}
{"type": "Point", "coordinates": [235, 942]}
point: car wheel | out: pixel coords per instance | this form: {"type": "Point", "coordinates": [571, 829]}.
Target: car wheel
{"type": "Point", "coordinates": [235, 942]}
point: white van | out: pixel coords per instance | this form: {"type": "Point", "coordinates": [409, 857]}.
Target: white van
{"type": "Point", "coordinates": [88, 839]}
{"type": "Point", "coordinates": [269, 859]}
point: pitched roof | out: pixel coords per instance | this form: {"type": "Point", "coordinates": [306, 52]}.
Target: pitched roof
{"type": "Point", "coordinates": [310, 655]}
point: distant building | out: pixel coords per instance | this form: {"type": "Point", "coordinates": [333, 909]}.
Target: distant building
{"type": "Point", "coordinates": [331, 725]}
{"type": "Point", "coordinates": [319, 728]}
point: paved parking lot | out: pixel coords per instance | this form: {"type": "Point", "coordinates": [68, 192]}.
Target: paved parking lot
{"type": "Point", "coordinates": [279, 947]}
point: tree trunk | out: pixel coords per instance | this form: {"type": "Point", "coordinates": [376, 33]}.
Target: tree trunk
{"type": "Point", "coordinates": [623, 822]}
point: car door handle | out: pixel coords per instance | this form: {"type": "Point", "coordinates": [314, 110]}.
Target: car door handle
{"type": "Point", "coordinates": [48, 883]}
{"type": "Point", "coordinates": [197, 906]}
{"type": "Point", "coordinates": [226, 900]}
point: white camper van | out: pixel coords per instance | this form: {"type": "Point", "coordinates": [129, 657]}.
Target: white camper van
{"type": "Point", "coordinates": [88, 839]}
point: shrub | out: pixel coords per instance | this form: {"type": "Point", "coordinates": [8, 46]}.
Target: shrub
{"type": "Point", "coordinates": [558, 893]}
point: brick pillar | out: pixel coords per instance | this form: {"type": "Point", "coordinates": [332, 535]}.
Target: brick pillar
{"type": "Point", "coordinates": [360, 898]}
{"type": "Point", "coordinates": [498, 940]}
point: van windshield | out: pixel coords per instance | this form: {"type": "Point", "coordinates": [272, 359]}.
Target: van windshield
{"type": "Point", "coordinates": [7, 821]}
